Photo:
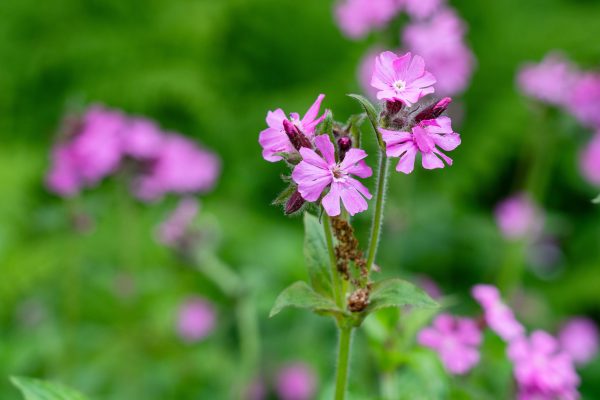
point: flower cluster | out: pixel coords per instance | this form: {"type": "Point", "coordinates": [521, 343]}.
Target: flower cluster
{"type": "Point", "coordinates": [103, 141]}
{"type": "Point", "coordinates": [435, 31]}
{"type": "Point", "coordinates": [542, 368]}
{"type": "Point", "coordinates": [322, 153]}
{"type": "Point", "coordinates": [456, 340]}
{"type": "Point", "coordinates": [558, 82]}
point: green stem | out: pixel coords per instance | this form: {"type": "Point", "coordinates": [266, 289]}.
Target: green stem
{"type": "Point", "coordinates": [388, 385]}
{"type": "Point", "coordinates": [249, 340]}
{"type": "Point", "coordinates": [337, 281]}
{"type": "Point", "coordinates": [342, 363]}
{"type": "Point", "coordinates": [378, 215]}
{"type": "Point", "coordinates": [219, 273]}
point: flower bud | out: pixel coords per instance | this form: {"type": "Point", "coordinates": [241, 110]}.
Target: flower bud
{"type": "Point", "coordinates": [344, 144]}
{"type": "Point", "coordinates": [296, 137]}
{"type": "Point", "coordinates": [434, 110]}
{"type": "Point", "coordinates": [294, 203]}
{"type": "Point", "coordinates": [393, 107]}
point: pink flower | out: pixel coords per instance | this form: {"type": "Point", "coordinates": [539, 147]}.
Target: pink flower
{"type": "Point", "coordinates": [356, 18]}
{"type": "Point", "coordinates": [275, 140]}
{"type": "Point", "coordinates": [422, 8]}
{"type": "Point", "coordinates": [315, 173]}
{"type": "Point", "coordinates": [550, 81]}
{"type": "Point", "coordinates": [97, 147]}
{"type": "Point", "coordinates": [518, 217]}
{"type": "Point", "coordinates": [63, 178]}
{"type": "Point", "coordinates": [296, 382]}
{"type": "Point", "coordinates": [589, 161]}
{"type": "Point", "coordinates": [196, 319]}
{"type": "Point", "coordinates": [440, 41]}
{"type": "Point", "coordinates": [584, 101]}
{"type": "Point", "coordinates": [401, 78]}
{"type": "Point", "coordinates": [181, 167]}
{"type": "Point", "coordinates": [456, 340]}
{"type": "Point", "coordinates": [541, 370]}
{"type": "Point", "coordinates": [425, 138]}
{"type": "Point", "coordinates": [579, 339]}
{"type": "Point", "coordinates": [498, 316]}
{"type": "Point", "coordinates": [173, 230]}
{"type": "Point", "coordinates": [143, 139]}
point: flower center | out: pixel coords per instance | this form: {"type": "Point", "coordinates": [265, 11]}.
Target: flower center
{"type": "Point", "coordinates": [400, 85]}
{"type": "Point", "coordinates": [338, 174]}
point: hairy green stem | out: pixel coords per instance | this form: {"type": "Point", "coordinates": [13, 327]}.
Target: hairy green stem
{"type": "Point", "coordinates": [341, 380]}
{"type": "Point", "coordinates": [378, 215]}
{"type": "Point", "coordinates": [338, 292]}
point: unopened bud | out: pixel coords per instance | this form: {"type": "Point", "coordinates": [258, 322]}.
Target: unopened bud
{"type": "Point", "coordinates": [296, 137]}
{"type": "Point", "coordinates": [294, 203]}
{"type": "Point", "coordinates": [344, 144]}
{"type": "Point", "coordinates": [393, 107]}
{"type": "Point", "coordinates": [434, 110]}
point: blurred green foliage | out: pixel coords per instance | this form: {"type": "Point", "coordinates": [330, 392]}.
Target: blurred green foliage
{"type": "Point", "coordinates": [97, 310]}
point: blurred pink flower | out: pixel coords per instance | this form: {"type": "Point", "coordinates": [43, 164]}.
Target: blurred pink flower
{"type": "Point", "coordinates": [401, 78]}
{"type": "Point", "coordinates": [256, 390]}
{"type": "Point", "coordinates": [518, 217]}
{"type": "Point", "coordinates": [425, 139]}
{"type": "Point", "coordinates": [97, 147]}
{"type": "Point", "coordinates": [196, 319]}
{"type": "Point", "coordinates": [456, 340]}
{"type": "Point", "coordinates": [584, 101]}
{"type": "Point", "coordinates": [541, 370]}
{"type": "Point", "coordinates": [315, 173]}
{"type": "Point", "coordinates": [180, 167]}
{"type": "Point", "coordinates": [171, 231]}
{"type": "Point", "coordinates": [356, 18]}
{"type": "Point", "coordinates": [440, 41]}
{"type": "Point", "coordinates": [579, 339]}
{"type": "Point", "coordinates": [498, 316]}
{"type": "Point", "coordinates": [275, 140]}
{"type": "Point", "coordinates": [143, 139]}
{"type": "Point", "coordinates": [63, 178]}
{"type": "Point", "coordinates": [589, 161]}
{"type": "Point", "coordinates": [296, 382]}
{"type": "Point", "coordinates": [549, 81]}
{"type": "Point", "coordinates": [420, 9]}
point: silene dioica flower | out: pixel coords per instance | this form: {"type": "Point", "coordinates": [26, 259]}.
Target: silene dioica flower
{"type": "Point", "coordinates": [327, 161]}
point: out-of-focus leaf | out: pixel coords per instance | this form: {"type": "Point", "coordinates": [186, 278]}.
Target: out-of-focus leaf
{"type": "Point", "coordinates": [35, 389]}
{"type": "Point", "coordinates": [395, 292]}
{"type": "Point", "coordinates": [301, 295]}
{"type": "Point", "coordinates": [316, 256]}
{"type": "Point", "coordinates": [596, 200]}
{"type": "Point", "coordinates": [371, 114]}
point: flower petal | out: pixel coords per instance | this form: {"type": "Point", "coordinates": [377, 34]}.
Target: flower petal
{"type": "Point", "coordinates": [311, 157]}
{"type": "Point", "coordinates": [311, 180]}
{"type": "Point", "coordinates": [430, 161]}
{"type": "Point", "coordinates": [331, 201]}
{"type": "Point", "coordinates": [353, 201]}
{"type": "Point", "coordinates": [407, 161]}
{"type": "Point", "coordinates": [312, 112]}
{"type": "Point", "coordinates": [323, 143]}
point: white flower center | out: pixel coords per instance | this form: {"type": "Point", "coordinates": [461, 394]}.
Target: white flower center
{"type": "Point", "coordinates": [400, 85]}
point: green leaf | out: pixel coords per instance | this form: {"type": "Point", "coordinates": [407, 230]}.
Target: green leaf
{"type": "Point", "coordinates": [35, 389]}
{"type": "Point", "coordinates": [316, 256]}
{"type": "Point", "coordinates": [395, 292]}
{"type": "Point", "coordinates": [301, 295]}
{"type": "Point", "coordinates": [326, 127]}
{"type": "Point", "coordinates": [596, 200]}
{"type": "Point", "coordinates": [353, 125]}
{"type": "Point", "coordinates": [372, 115]}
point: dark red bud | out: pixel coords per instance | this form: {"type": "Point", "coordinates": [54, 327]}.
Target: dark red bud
{"type": "Point", "coordinates": [344, 144]}
{"type": "Point", "coordinates": [434, 110]}
{"type": "Point", "coordinates": [393, 107]}
{"type": "Point", "coordinates": [296, 137]}
{"type": "Point", "coordinates": [294, 203]}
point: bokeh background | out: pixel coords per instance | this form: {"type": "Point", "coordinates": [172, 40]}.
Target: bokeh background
{"type": "Point", "coordinates": [98, 310]}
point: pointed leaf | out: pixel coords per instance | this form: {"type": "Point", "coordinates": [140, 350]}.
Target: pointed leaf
{"type": "Point", "coordinates": [301, 295]}
{"type": "Point", "coordinates": [316, 256]}
{"type": "Point", "coordinates": [372, 115]}
{"type": "Point", "coordinates": [35, 389]}
{"type": "Point", "coordinates": [395, 292]}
